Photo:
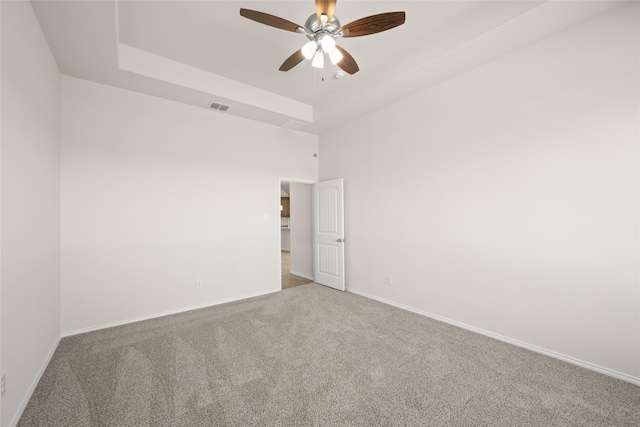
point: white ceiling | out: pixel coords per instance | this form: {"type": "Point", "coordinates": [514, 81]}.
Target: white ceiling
{"type": "Point", "coordinates": [201, 51]}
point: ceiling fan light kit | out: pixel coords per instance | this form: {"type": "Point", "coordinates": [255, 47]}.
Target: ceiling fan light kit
{"type": "Point", "coordinates": [328, 43]}
{"type": "Point", "coordinates": [318, 60]}
{"type": "Point", "coordinates": [309, 49]}
{"type": "Point", "coordinates": [322, 29]}
{"type": "Point", "coordinates": [335, 56]}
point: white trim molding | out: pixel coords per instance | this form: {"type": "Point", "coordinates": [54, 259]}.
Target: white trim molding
{"type": "Point", "coordinates": [34, 384]}
{"type": "Point", "coordinates": [593, 367]}
{"type": "Point", "coordinates": [304, 276]}
{"type": "Point", "coordinates": [165, 313]}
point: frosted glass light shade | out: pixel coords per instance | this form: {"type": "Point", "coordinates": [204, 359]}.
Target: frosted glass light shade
{"type": "Point", "coordinates": [335, 56]}
{"type": "Point", "coordinates": [318, 60]}
{"type": "Point", "coordinates": [328, 44]}
{"type": "Point", "coordinates": [309, 49]}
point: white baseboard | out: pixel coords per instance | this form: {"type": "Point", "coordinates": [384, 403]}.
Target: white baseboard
{"type": "Point", "coordinates": [164, 313]}
{"type": "Point", "coordinates": [304, 276]}
{"type": "Point", "coordinates": [34, 384]}
{"type": "Point", "coordinates": [534, 348]}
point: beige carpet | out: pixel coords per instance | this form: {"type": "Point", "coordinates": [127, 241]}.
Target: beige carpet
{"type": "Point", "coordinates": [312, 356]}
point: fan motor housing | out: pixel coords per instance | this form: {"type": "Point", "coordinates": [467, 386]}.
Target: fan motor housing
{"type": "Point", "coordinates": [315, 28]}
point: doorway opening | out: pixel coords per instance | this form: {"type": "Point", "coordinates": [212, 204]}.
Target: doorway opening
{"type": "Point", "coordinates": [296, 232]}
{"type": "Point", "coordinates": [290, 280]}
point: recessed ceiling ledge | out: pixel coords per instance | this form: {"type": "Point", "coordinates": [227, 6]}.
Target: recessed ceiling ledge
{"type": "Point", "coordinates": [157, 67]}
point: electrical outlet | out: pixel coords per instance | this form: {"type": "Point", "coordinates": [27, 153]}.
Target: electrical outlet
{"type": "Point", "coordinates": [389, 280]}
{"type": "Point", "coordinates": [2, 386]}
{"type": "Point", "coordinates": [199, 283]}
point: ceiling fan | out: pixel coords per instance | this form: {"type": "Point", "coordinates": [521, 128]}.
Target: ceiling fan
{"type": "Point", "coordinates": [322, 29]}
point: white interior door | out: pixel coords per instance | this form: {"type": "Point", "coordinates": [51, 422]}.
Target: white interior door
{"type": "Point", "coordinates": [328, 234]}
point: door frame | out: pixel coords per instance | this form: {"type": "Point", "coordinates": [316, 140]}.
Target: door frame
{"type": "Point", "coordinates": [295, 181]}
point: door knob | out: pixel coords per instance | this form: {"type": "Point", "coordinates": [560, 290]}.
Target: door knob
{"type": "Point", "coordinates": [340, 240]}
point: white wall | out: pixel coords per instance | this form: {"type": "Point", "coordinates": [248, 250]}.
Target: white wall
{"type": "Point", "coordinates": [285, 239]}
{"type": "Point", "coordinates": [30, 201]}
{"type": "Point", "coordinates": [507, 199]}
{"type": "Point", "coordinates": [301, 230]}
{"type": "Point", "coordinates": [157, 194]}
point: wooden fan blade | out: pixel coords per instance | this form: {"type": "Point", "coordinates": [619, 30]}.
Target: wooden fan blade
{"type": "Point", "coordinates": [327, 7]}
{"type": "Point", "coordinates": [292, 61]}
{"type": "Point", "coordinates": [266, 19]}
{"type": "Point", "coordinates": [373, 24]}
{"type": "Point", "coordinates": [347, 63]}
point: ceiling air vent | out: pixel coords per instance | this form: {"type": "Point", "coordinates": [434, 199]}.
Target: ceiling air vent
{"type": "Point", "coordinates": [218, 106]}
{"type": "Point", "coordinates": [293, 125]}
